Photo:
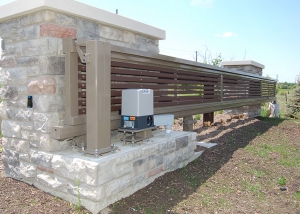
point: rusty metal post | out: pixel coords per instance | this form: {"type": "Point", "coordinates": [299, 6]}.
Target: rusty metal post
{"type": "Point", "coordinates": [98, 91]}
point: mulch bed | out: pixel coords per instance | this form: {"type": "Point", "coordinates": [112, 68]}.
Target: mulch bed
{"type": "Point", "coordinates": [167, 192]}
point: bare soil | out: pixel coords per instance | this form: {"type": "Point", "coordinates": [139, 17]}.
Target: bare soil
{"type": "Point", "coordinates": [242, 174]}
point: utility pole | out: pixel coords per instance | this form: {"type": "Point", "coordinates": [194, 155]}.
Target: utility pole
{"type": "Point", "coordinates": [196, 55]}
{"type": "Point", "coordinates": [116, 11]}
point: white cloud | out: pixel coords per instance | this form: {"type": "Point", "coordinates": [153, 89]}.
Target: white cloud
{"type": "Point", "coordinates": [202, 3]}
{"type": "Point", "coordinates": [227, 34]}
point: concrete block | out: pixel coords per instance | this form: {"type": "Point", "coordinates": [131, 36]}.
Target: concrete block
{"type": "Point", "coordinates": [3, 108]}
{"type": "Point", "coordinates": [117, 185]}
{"type": "Point", "coordinates": [155, 171]}
{"type": "Point", "coordinates": [85, 191]}
{"type": "Point", "coordinates": [33, 71]}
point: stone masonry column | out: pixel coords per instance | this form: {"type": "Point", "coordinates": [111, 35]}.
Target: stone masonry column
{"type": "Point", "coordinates": [252, 67]}
{"type": "Point", "coordinates": [33, 64]}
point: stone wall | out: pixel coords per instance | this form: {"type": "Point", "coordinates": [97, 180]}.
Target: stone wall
{"type": "Point", "coordinates": [253, 110]}
{"type": "Point", "coordinates": [32, 63]}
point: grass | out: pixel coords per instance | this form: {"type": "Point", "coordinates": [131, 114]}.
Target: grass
{"type": "Point", "coordinates": [281, 181]}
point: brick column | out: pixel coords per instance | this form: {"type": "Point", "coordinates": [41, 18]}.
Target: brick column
{"type": "Point", "coordinates": [252, 67]}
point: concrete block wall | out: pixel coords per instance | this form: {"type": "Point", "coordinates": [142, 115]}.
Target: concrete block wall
{"type": "Point", "coordinates": [32, 63]}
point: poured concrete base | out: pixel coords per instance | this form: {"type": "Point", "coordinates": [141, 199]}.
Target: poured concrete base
{"type": "Point", "coordinates": [105, 180]}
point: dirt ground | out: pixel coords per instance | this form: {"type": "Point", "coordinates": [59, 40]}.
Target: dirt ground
{"type": "Point", "coordinates": [253, 159]}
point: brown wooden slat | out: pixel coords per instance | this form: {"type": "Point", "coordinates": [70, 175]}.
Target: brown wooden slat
{"type": "Point", "coordinates": [81, 85]}
{"type": "Point", "coordinates": [115, 108]}
{"type": "Point", "coordinates": [82, 68]}
{"type": "Point", "coordinates": [141, 80]}
{"type": "Point", "coordinates": [138, 86]}
{"type": "Point", "coordinates": [82, 111]}
{"type": "Point", "coordinates": [197, 73]}
{"type": "Point", "coordinates": [142, 73]}
{"type": "Point", "coordinates": [81, 76]}
{"type": "Point", "coordinates": [82, 102]}
{"type": "Point", "coordinates": [82, 94]}
{"type": "Point", "coordinates": [141, 67]}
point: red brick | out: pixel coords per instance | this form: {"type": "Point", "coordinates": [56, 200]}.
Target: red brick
{"type": "Point", "coordinates": [57, 31]}
{"type": "Point", "coordinates": [155, 171]}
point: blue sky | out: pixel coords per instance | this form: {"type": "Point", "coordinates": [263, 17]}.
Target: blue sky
{"type": "Point", "coordinates": [265, 31]}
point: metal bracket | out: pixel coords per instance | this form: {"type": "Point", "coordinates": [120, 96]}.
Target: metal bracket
{"type": "Point", "coordinates": [84, 57]}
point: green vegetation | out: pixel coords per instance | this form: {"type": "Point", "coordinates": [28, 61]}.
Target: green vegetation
{"type": "Point", "coordinates": [78, 206]}
{"type": "Point", "coordinates": [281, 181]}
{"type": "Point", "coordinates": [197, 117]}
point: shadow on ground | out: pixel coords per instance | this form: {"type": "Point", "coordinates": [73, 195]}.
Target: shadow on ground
{"type": "Point", "coordinates": [173, 187]}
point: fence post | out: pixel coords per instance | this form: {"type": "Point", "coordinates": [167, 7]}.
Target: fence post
{"type": "Point", "coordinates": [98, 91]}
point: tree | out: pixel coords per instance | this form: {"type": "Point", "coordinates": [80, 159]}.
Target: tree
{"type": "Point", "coordinates": [207, 58]}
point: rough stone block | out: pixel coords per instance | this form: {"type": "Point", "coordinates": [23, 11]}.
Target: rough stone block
{"type": "Point", "coordinates": [33, 71]}
{"type": "Point", "coordinates": [88, 30]}
{"type": "Point", "coordinates": [44, 122]}
{"type": "Point", "coordinates": [9, 28]}
{"type": "Point", "coordinates": [17, 145]}
{"type": "Point", "coordinates": [129, 37]}
{"type": "Point", "coordinates": [30, 32]}
{"type": "Point", "coordinates": [122, 169]}
{"type": "Point", "coordinates": [27, 61]}
{"type": "Point", "coordinates": [41, 16]}
{"type": "Point", "coordinates": [181, 142]}
{"type": "Point", "coordinates": [20, 114]}
{"type": "Point", "coordinates": [159, 159]}
{"type": "Point", "coordinates": [3, 107]}
{"type": "Point", "coordinates": [106, 172]}
{"type": "Point", "coordinates": [111, 33]}
{"type": "Point", "coordinates": [20, 101]}
{"type": "Point", "coordinates": [7, 61]}
{"type": "Point", "coordinates": [85, 191]}
{"type": "Point", "coordinates": [27, 170]}
{"type": "Point", "coordinates": [52, 30]}
{"type": "Point", "coordinates": [66, 20]}
{"type": "Point", "coordinates": [11, 129]}
{"type": "Point", "coordinates": [3, 76]}
{"type": "Point", "coordinates": [118, 185]}
{"type": "Point", "coordinates": [11, 162]}
{"type": "Point", "coordinates": [86, 171]}
{"type": "Point", "coordinates": [155, 171]}
{"type": "Point", "coordinates": [53, 182]}
{"type": "Point", "coordinates": [42, 85]}
{"type": "Point", "coordinates": [9, 92]}
{"type": "Point", "coordinates": [144, 164]}
{"type": "Point", "coordinates": [41, 158]}
{"type": "Point", "coordinates": [52, 65]}
{"type": "Point", "coordinates": [13, 49]}
{"type": "Point", "coordinates": [40, 47]}
{"type": "Point", "coordinates": [48, 103]}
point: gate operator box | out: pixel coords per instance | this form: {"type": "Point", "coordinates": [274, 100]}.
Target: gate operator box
{"type": "Point", "coordinates": [137, 109]}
